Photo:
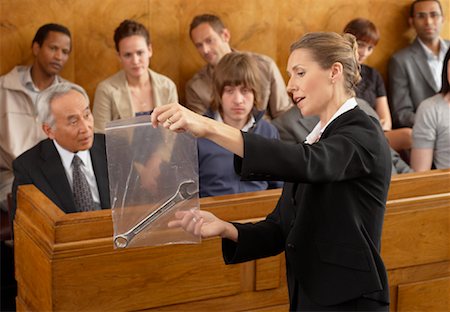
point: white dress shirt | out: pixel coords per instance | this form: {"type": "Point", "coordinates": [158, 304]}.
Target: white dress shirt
{"type": "Point", "coordinates": [86, 168]}
{"type": "Point", "coordinates": [316, 133]}
{"type": "Point", "coordinates": [246, 127]}
{"type": "Point", "coordinates": [436, 62]}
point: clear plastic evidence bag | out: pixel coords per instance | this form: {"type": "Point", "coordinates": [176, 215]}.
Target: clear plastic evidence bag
{"type": "Point", "coordinates": [153, 173]}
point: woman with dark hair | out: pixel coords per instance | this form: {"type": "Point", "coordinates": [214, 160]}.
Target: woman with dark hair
{"type": "Point", "coordinates": [431, 131]}
{"type": "Point", "coordinates": [329, 218]}
{"type": "Point", "coordinates": [371, 87]}
{"type": "Point", "coordinates": [136, 89]}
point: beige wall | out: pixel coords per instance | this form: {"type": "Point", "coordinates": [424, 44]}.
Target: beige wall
{"type": "Point", "coordinates": [265, 26]}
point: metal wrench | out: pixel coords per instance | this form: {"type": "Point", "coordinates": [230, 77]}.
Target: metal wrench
{"type": "Point", "coordinates": [182, 193]}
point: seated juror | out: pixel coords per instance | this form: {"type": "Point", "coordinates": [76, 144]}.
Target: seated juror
{"type": "Point", "coordinates": [70, 166]}
{"type": "Point", "coordinates": [20, 110]}
{"type": "Point", "coordinates": [212, 41]}
{"type": "Point", "coordinates": [136, 89]}
{"type": "Point", "coordinates": [237, 103]}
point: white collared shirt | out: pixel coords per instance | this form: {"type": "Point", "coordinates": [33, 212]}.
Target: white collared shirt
{"type": "Point", "coordinates": [246, 127]}
{"type": "Point", "coordinates": [435, 62]}
{"type": "Point", "coordinates": [86, 168]}
{"type": "Point", "coordinates": [316, 133]}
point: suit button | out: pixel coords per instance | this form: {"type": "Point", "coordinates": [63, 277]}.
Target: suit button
{"type": "Point", "coordinates": [292, 223]}
{"type": "Point", "coordinates": [291, 246]}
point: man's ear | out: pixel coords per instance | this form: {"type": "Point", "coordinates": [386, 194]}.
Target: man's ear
{"type": "Point", "coordinates": [35, 48]}
{"type": "Point", "coordinates": [48, 131]}
{"type": "Point", "coordinates": [150, 50]}
{"type": "Point", "coordinates": [226, 35]}
{"type": "Point", "coordinates": [411, 22]}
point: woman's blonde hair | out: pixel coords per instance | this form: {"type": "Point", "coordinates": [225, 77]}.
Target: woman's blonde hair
{"type": "Point", "coordinates": [236, 69]}
{"type": "Point", "coordinates": [328, 48]}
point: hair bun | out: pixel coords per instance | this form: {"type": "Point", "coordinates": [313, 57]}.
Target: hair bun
{"type": "Point", "coordinates": [354, 46]}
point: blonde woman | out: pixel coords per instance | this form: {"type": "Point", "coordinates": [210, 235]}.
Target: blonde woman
{"type": "Point", "coordinates": [329, 218]}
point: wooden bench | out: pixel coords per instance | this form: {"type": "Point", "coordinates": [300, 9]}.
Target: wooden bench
{"type": "Point", "coordinates": [419, 184]}
{"type": "Point", "coordinates": [67, 261]}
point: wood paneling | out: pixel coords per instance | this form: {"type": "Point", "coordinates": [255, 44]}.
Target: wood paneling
{"type": "Point", "coordinates": [264, 26]}
{"type": "Point", "coordinates": [419, 184]}
{"type": "Point", "coordinates": [416, 226]}
{"type": "Point", "coordinates": [19, 21]}
{"type": "Point", "coordinates": [433, 295]}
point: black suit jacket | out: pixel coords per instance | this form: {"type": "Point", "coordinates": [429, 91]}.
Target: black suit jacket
{"type": "Point", "coordinates": [329, 217]}
{"type": "Point", "coordinates": [42, 166]}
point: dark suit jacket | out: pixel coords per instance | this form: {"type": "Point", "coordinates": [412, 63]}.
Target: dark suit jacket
{"type": "Point", "coordinates": [42, 166]}
{"type": "Point", "coordinates": [410, 82]}
{"type": "Point", "coordinates": [294, 128]}
{"type": "Point", "coordinates": [329, 217]}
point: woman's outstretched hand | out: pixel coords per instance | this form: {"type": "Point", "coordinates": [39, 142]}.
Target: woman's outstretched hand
{"type": "Point", "coordinates": [204, 223]}
{"type": "Point", "coordinates": [178, 118]}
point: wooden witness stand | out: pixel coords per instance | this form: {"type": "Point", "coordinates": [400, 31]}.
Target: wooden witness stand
{"type": "Point", "coordinates": [66, 262]}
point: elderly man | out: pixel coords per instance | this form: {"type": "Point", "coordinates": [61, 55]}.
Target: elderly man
{"type": "Point", "coordinates": [69, 167]}
{"type": "Point", "coordinates": [212, 41]}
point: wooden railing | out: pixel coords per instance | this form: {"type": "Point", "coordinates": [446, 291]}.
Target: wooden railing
{"type": "Point", "coordinates": [67, 261]}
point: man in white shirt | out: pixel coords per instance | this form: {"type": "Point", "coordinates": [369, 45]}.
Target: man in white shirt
{"type": "Point", "coordinates": [49, 164]}
{"type": "Point", "coordinates": [415, 71]}
{"type": "Point", "coordinates": [20, 111]}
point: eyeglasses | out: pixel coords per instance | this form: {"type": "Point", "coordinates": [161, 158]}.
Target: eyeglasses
{"type": "Point", "coordinates": [423, 15]}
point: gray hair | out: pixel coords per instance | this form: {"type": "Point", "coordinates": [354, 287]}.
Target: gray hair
{"type": "Point", "coordinates": [47, 96]}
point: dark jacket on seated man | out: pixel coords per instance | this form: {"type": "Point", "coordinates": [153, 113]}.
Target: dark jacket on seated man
{"type": "Point", "coordinates": [42, 166]}
{"type": "Point", "coordinates": [294, 127]}
{"type": "Point", "coordinates": [70, 166]}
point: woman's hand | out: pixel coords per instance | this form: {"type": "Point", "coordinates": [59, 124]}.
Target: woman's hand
{"type": "Point", "coordinates": [204, 223]}
{"type": "Point", "coordinates": [178, 118]}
